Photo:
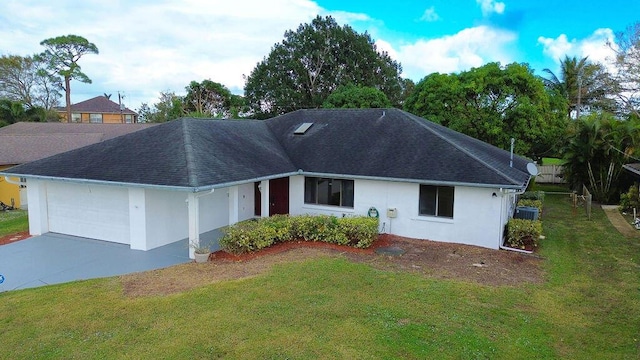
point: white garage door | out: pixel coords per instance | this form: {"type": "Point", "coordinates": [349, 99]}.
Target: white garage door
{"type": "Point", "coordinates": [91, 211]}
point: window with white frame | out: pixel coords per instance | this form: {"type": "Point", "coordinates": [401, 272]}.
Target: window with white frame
{"type": "Point", "coordinates": [76, 117]}
{"type": "Point", "coordinates": [436, 201]}
{"type": "Point", "coordinates": [95, 118]}
{"type": "Point", "coordinates": [325, 191]}
{"type": "Point", "coordinates": [128, 118]}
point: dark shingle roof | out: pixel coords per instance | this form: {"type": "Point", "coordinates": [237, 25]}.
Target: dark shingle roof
{"type": "Point", "coordinates": [28, 141]}
{"type": "Point", "coordinates": [98, 104]}
{"type": "Point", "coordinates": [181, 153]}
{"type": "Point", "coordinates": [394, 145]}
{"type": "Point", "coordinates": [368, 143]}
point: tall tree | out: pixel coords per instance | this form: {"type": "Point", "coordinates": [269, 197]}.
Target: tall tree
{"type": "Point", "coordinates": [627, 62]}
{"type": "Point", "coordinates": [491, 103]}
{"type": "Point", "coordinates": [168, 107]}
{"type": "Point", "coordinates": [357, 97]}
{"type": "Point", "coordinates": [311, 62]}
{"type": "Point", "coordinates": [61, 57]}
{"type": "Point", "coordinates": [585, 85]}
{"type": "Point", "coordinates": [21, 80]}
{"type": "Point", "coordinates": [209, 99]}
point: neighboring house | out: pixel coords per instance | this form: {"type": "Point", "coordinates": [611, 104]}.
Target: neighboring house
{"type": "Point", "coordinates": [29, 141]}
{"type": "Point", "coordinates": [98, 110]}
{"type": "Point", "coordinates": [190, 176]}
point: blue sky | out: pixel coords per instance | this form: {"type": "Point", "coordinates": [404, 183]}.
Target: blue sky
{"type": "Point", "coordinates": [149, 46]}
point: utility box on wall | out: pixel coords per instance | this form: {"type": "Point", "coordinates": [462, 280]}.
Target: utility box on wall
{"type": "Point", "coordinates": [392, 213]}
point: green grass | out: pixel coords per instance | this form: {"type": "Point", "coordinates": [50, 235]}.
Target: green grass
{"type": "Point", "coordinates": [13, 221]}
{"type": "Point", "coordinates": [551, 161]}
{"type": "Point", "coordinates": [588, 308]}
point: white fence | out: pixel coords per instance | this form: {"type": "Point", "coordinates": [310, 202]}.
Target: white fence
{"type": "Point", "coordinates": [549, 174]}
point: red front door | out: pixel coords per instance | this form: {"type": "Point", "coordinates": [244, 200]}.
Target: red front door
{"type": "Point", "coordinates": [279, 196]}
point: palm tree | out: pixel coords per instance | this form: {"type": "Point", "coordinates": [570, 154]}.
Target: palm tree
{"type": "Point", "coordinates": [583, 84]}
{"type": "Point", "coordinates": [597, 146]}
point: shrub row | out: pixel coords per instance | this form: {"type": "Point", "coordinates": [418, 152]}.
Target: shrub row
{"type": "Point", "coordinates": [252, 235]}
{"type": "Point", "coordinates": [523, 232]}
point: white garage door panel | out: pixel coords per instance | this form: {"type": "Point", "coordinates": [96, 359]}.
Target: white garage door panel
{"type": "Point", "coordinates": [92, 211]}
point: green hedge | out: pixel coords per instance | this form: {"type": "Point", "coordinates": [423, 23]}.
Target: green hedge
{"type": "Point", "coordinates": [532, 195]}
{"type": "Point", "coordinates": [252, 235]}
{"type": "Point", "coordinates": [523, 232]}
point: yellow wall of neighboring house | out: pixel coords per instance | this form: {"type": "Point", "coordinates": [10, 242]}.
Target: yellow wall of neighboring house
{"type": "Point", "coordinates": [106, 118]}
{"type": "Point", "coordinates": [9, 191]}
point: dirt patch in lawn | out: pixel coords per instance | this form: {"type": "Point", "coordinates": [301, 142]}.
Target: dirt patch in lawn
{"type": "Point", "coordinates": [7, 239]}
{"type": "Point", "coordinates": [429, 258]}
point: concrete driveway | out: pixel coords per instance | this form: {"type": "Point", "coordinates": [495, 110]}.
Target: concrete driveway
{"type": "Point", "coordinates": [54, 258]}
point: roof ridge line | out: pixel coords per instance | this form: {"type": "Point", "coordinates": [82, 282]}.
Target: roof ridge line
{"type": "Point", "coordinates": [469, 153]}
{"type": "Point", "coordinates": [277, 139]}
{"type": "Point", "coordinates": [188, 151]}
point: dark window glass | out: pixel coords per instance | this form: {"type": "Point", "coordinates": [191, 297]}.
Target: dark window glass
{"type": "Point", "coordinates": [347, 193]}
{"type": "Point", "coordinates": [310, 190]}
{"type": "Point", "coordinates": [436, 200]}
{"type": "Point", "coordinates": [428, 200]}
{"type": "Point", "coordinates": [323, 191]}
{"type": "Point", "coordinates": [445, 201]}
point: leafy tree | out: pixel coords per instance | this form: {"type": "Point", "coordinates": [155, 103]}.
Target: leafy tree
{"type": "Point", "coordinates": [311, 62]}
{"type": "Point", "coordinates": [61, 57]}
{"type": "Point", "coordinates": [169, 107]}
{"type": "Point", "coordinates": [211, 99]}
{"type": "Point", "coordinates": [597, 147]}
{"type": "Point", "coordinates": [493, 104]}
{"type": "Point", "coordinates": [358, 97]}
{"type": "Point", "coordinates": [627, 62]}
{"type": "Point", "coordinates": [21, 80]}
{"type": "Point", "coordinates": [15, 111]}
{"type": "Point", "coordinates": [584, 85]}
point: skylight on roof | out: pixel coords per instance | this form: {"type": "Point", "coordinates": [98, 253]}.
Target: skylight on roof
{"type": "Point", "coordinates": [302, 129]}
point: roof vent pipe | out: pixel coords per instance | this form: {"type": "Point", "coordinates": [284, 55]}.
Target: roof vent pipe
{"type": "Point", "coordinates": [511, 160]}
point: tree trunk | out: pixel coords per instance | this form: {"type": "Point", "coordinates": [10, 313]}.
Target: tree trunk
{"type": "Point", "coordinates": [67, 90]}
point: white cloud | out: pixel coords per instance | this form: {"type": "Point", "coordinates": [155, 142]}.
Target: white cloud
{"type": "Point", "coordinates": [472, 47]}
{"type": "Point", "coordinates": [491, 6]}
{"type": "Point", "coordinates": [430, 15]}
{"type": "Point", "coordinates": [147, 47]}
{"type": "Point", "coordinates": [594, 46]}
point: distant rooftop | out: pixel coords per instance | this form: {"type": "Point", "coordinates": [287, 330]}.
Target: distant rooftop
{"type": "Point", "coordinates": [98, 104]}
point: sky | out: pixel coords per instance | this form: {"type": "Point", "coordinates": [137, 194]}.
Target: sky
{"type": "Point", "coordinates": [147, 47]}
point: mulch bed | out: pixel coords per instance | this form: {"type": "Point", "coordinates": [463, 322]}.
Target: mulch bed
{"type": "Point", "coordinates": [14, 237]}
{"type": "Point", "coordinates": [383, 240]}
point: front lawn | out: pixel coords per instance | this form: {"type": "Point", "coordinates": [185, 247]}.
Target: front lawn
{"type": "Point", "coordinates": [13, 221]}
{"type": "Point", "coordinates": [331, 308]}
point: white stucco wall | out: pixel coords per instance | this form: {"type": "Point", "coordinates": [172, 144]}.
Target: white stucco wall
{"type": "Point", "coordinates": [214, 210]}
{"type": "Point", "coordinates": [246, 204]}
{"type": "Point", "coordinates": [476, 219]}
